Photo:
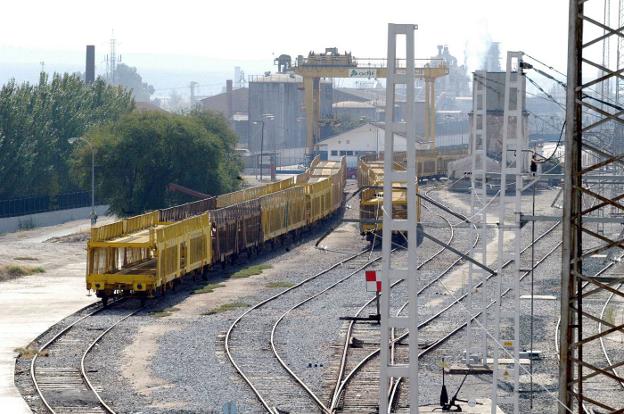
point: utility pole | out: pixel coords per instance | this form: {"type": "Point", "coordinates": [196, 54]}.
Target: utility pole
{"type": "Point", "coordinates": [269, 117]}
{"type": "Point", "coordinates": [92, 148]}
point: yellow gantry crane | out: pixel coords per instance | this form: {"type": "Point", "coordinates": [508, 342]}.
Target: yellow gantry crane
{"type": "Point", "coordinates": [332, 64]}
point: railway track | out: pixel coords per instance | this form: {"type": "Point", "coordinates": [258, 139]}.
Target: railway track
{"type": "Point", "coordinates": [259, 365]}
{"type": "Point", "coordinates": [438, 342]}
{"type": "Point", "coordinates": [603, 344]}
{"type": "Point", "coordinates": [288, 391]}
{"type": "Point", "coordinates": [365, 398]}
{"type": "Point", "coordinates": [368, 334]}
{"type": "Point", "coordinates": [369, 359]}
{"type": "Point", "coordinates": [604, 351]}
{"type": "Point", "coordinates": [61, 378]}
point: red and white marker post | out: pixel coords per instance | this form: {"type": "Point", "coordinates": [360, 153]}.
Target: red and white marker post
{"type": "Point", "coordinates": [373, 284]}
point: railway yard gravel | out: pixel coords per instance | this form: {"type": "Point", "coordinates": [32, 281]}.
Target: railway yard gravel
{"type": "Point", "coordinates": [170, 357]}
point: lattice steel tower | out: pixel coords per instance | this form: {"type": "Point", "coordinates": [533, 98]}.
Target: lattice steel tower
{"type": "Point", "coordinates": [587, 116]}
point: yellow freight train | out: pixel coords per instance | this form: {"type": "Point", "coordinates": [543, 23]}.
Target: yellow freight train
{"type": "Point", "coordinates": [146, 254]}
{"type": "Point", "coordinates": [370, 181]}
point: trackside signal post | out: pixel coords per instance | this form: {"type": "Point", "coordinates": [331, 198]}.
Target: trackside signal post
{"type": "Point", "coordinates": [401, 73]}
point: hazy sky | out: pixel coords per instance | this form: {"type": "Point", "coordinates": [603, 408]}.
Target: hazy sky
{"type": "Point", "coordinates": [152, 33]}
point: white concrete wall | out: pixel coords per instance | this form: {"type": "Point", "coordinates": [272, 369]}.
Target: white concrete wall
{"type": "Point", "coordinates": [49, 218]}
{"type": "Point", "coordinates": [360, 140]}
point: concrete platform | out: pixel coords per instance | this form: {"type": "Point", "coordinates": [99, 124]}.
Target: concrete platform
{"type": "Point", "coordinates": [31, 304]}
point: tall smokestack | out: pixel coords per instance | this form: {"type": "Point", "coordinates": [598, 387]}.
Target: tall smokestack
{"type": "Point", "coordinates": [228, 91]}
{"type": "Point", "coordinates": [90, 65]}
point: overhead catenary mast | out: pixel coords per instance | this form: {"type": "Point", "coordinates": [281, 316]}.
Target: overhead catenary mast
{"type": "Point", "coordinates": [514, 154]}
{"type": "Point", "coordinates": [399, 74]}
{"type": "Point", "coordinates": [476, 333]}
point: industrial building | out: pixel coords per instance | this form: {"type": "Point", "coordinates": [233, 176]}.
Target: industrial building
{"type": "Point", "coordinates": [494, 83]}
{"type": "Point", "coordinates": [234, 105]}
{"type": "Point", "coordinates": [277, 101]}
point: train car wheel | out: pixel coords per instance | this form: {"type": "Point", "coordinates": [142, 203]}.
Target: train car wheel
{"type": "Point", "coordinates": [104, 301]}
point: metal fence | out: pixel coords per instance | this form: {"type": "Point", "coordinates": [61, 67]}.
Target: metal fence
{"type": "Point", "coordinates": [40, 204]}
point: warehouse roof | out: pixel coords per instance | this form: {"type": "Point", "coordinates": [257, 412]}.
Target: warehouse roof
{"type": "Point", "coordinates": [218, 103]}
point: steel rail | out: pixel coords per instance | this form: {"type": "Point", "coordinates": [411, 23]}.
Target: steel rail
{"type": "Point", "coordinates": [602, 344]}
{"type": "Point", "coordinates": [33, 374]}
{"type": "Point", "coordinates": [349, 332]}
{"type": "Point", "coordinates": [445, 338]}
{"type": "Point", "coordinates": [340, 384]}
{"type": "Point", "coordinates": [281, 361]}
{"type": "Point", "coordinates": [258, 305]}
{"type": "Point", "coordinates": [453, 303]}
{"type": "Point", "coordinates": [83, 372]}
{"type": "Point", "coordinates": [558, 325]}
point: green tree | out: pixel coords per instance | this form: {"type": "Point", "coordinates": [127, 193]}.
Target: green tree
{"type": "Point", "coordinates": [35, 123]}
{"type": "Point", "coordinates": [217, 125]}
{"type": "Point", "coordinates": [143, 152]}
{"type": "Point", "coordinates": [129, 78]}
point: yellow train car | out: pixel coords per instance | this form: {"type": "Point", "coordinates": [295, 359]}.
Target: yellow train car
{"type": "Point", "coordinates": [146, 254]}
{"type": "Point", "coordinates": [283, 212]}
{"type": "Point", "coordinates": [141, 255]}
{"type": "Point", "coordinates": [371, 181]}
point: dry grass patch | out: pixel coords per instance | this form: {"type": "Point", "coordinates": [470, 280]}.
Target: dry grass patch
{"type": "Point", "coordinates": [209, 288]}
{"type": "Point", "coordinates": [280, 284]}
{"type": "Point", "coordinates": [226, 307]}
{"type": "Point", "coordinates": [13, 271]}
{"type": "Point", "coordinates": [29, 352]}
{"type": "Point", "coordinates": [251, 271]}
{"type": "Point", "coordinates": [165, 312]}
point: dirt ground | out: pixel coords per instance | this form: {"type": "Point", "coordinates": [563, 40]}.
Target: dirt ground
{"type": "Point", "coordinates": [30, 304]}
{"type": "Point", "coordinates": [47, 247]}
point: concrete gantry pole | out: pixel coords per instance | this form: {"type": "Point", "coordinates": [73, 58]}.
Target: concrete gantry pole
{"type": "Point", "coordinates": [476, 333]}
{"type": "Point", "coordinates": [514, 163]}
{"type": "Point", "coordinates": [399, 75]}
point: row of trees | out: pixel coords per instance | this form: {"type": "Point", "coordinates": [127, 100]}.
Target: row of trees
{"type": "Point", "coordinates": [137, 154]}
{"type": "Point", "coordinates": [37, 120]}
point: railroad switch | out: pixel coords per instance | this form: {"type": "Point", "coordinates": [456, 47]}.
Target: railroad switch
{"type": "Point", "coordinates": [451, 405]}
{"type": "Point", "coordinates": [369, 318]}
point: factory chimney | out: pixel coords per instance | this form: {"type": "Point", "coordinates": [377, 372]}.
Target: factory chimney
{"type": "Point", "coordinates": [228, 91]}
{"type": "Point", "coordinates": [90, 65]}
